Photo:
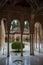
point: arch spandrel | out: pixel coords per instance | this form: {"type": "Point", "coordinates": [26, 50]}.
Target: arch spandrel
{"type": "Point", "coordinates": [21, 26]}
{"type": "Point", "coordinates": [39, 16]}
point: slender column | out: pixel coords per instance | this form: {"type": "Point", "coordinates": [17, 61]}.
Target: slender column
{"type": "Point", "coordinates": [31, 33]}
{"type": "Point", "coordinates": [8, 40]}
{"type": "Point", "coordinates": [21, 46]}
{"type": "Point", "coordinates": [0, 36]}
{"type": "Point", "coordinates": [8, 46]}
{"type": "Point", "coordinates": [39, 39]}
{"type": "Point", "coordinates": [8, 29]}
{"type": "Point", "coordinates": [31, 45]}
{"type": "Point", "coordinates": [22, 28]}
{"type": "Point", "coordinates": [36, 38]}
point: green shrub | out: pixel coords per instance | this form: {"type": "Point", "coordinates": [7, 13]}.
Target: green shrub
{"type": "Point", "coordinates": [17, 45]}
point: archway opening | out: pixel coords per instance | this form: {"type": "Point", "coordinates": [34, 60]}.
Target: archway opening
{"type": "Point", "coordinates": [14, 36]}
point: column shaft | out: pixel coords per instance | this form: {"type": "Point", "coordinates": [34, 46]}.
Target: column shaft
{"type": "Point", "coordinates": [36, 38]}
{"type": "Point", "coordinates": [21, 46]}
{"type": "Point", "coordinates": [31, 45]}
{"type": "Point", "coordinates": [8, 46]}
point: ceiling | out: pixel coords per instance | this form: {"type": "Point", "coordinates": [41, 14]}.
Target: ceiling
{"type": "Point", "coordinates": [35, 4]}
{"type": "Point", "coordinates": [25, 3]}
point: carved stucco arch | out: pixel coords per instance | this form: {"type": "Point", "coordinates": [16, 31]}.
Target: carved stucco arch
{"type": "Point", "coordinates": [37, 17]}
{"type": "Point", "coordinates": [21, 20]}
{"type": "Point", "coordinates": [15, 18]}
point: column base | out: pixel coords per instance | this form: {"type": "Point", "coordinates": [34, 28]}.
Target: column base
{"type": "Point", "coordinates": [31, 53]}
{"type": "Point", "coordinates": [7, 55]}
{"type": "Point", "coordinates": [21, 54]}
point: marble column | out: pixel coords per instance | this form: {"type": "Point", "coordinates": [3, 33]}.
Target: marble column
{"type": "Point", "coordinates": [31, 45]}
{"type": "Point", "coordinates": [8, 39]}
{"type": "Point", "coordinates": [0, 37]}
{"type": "Point", "coordinates": [21, 45]}
{"type": "Point", "coordinates": [8, 46]}
{"type": "Point", "coordinates": [31, 33]}
{"type": "Point", "coordinates": [39, 39]}
{"type": "Point", "coordinates": [36, 38]}
{"type": "Point", "coordinates": [22, 28]}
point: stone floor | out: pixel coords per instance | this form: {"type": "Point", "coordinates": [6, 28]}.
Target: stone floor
{"type": "Point", "coordinates": [37, 59]}
{"type": "Point", "coordinates": [26, 60]}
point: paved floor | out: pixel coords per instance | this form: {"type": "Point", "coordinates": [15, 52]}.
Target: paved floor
{"type": "Point", "coordinates": [36, 60]}
{"type": "Point", "coordinates": [26, 60]}
{"type": "Point", "coordinates": [2, 61]}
